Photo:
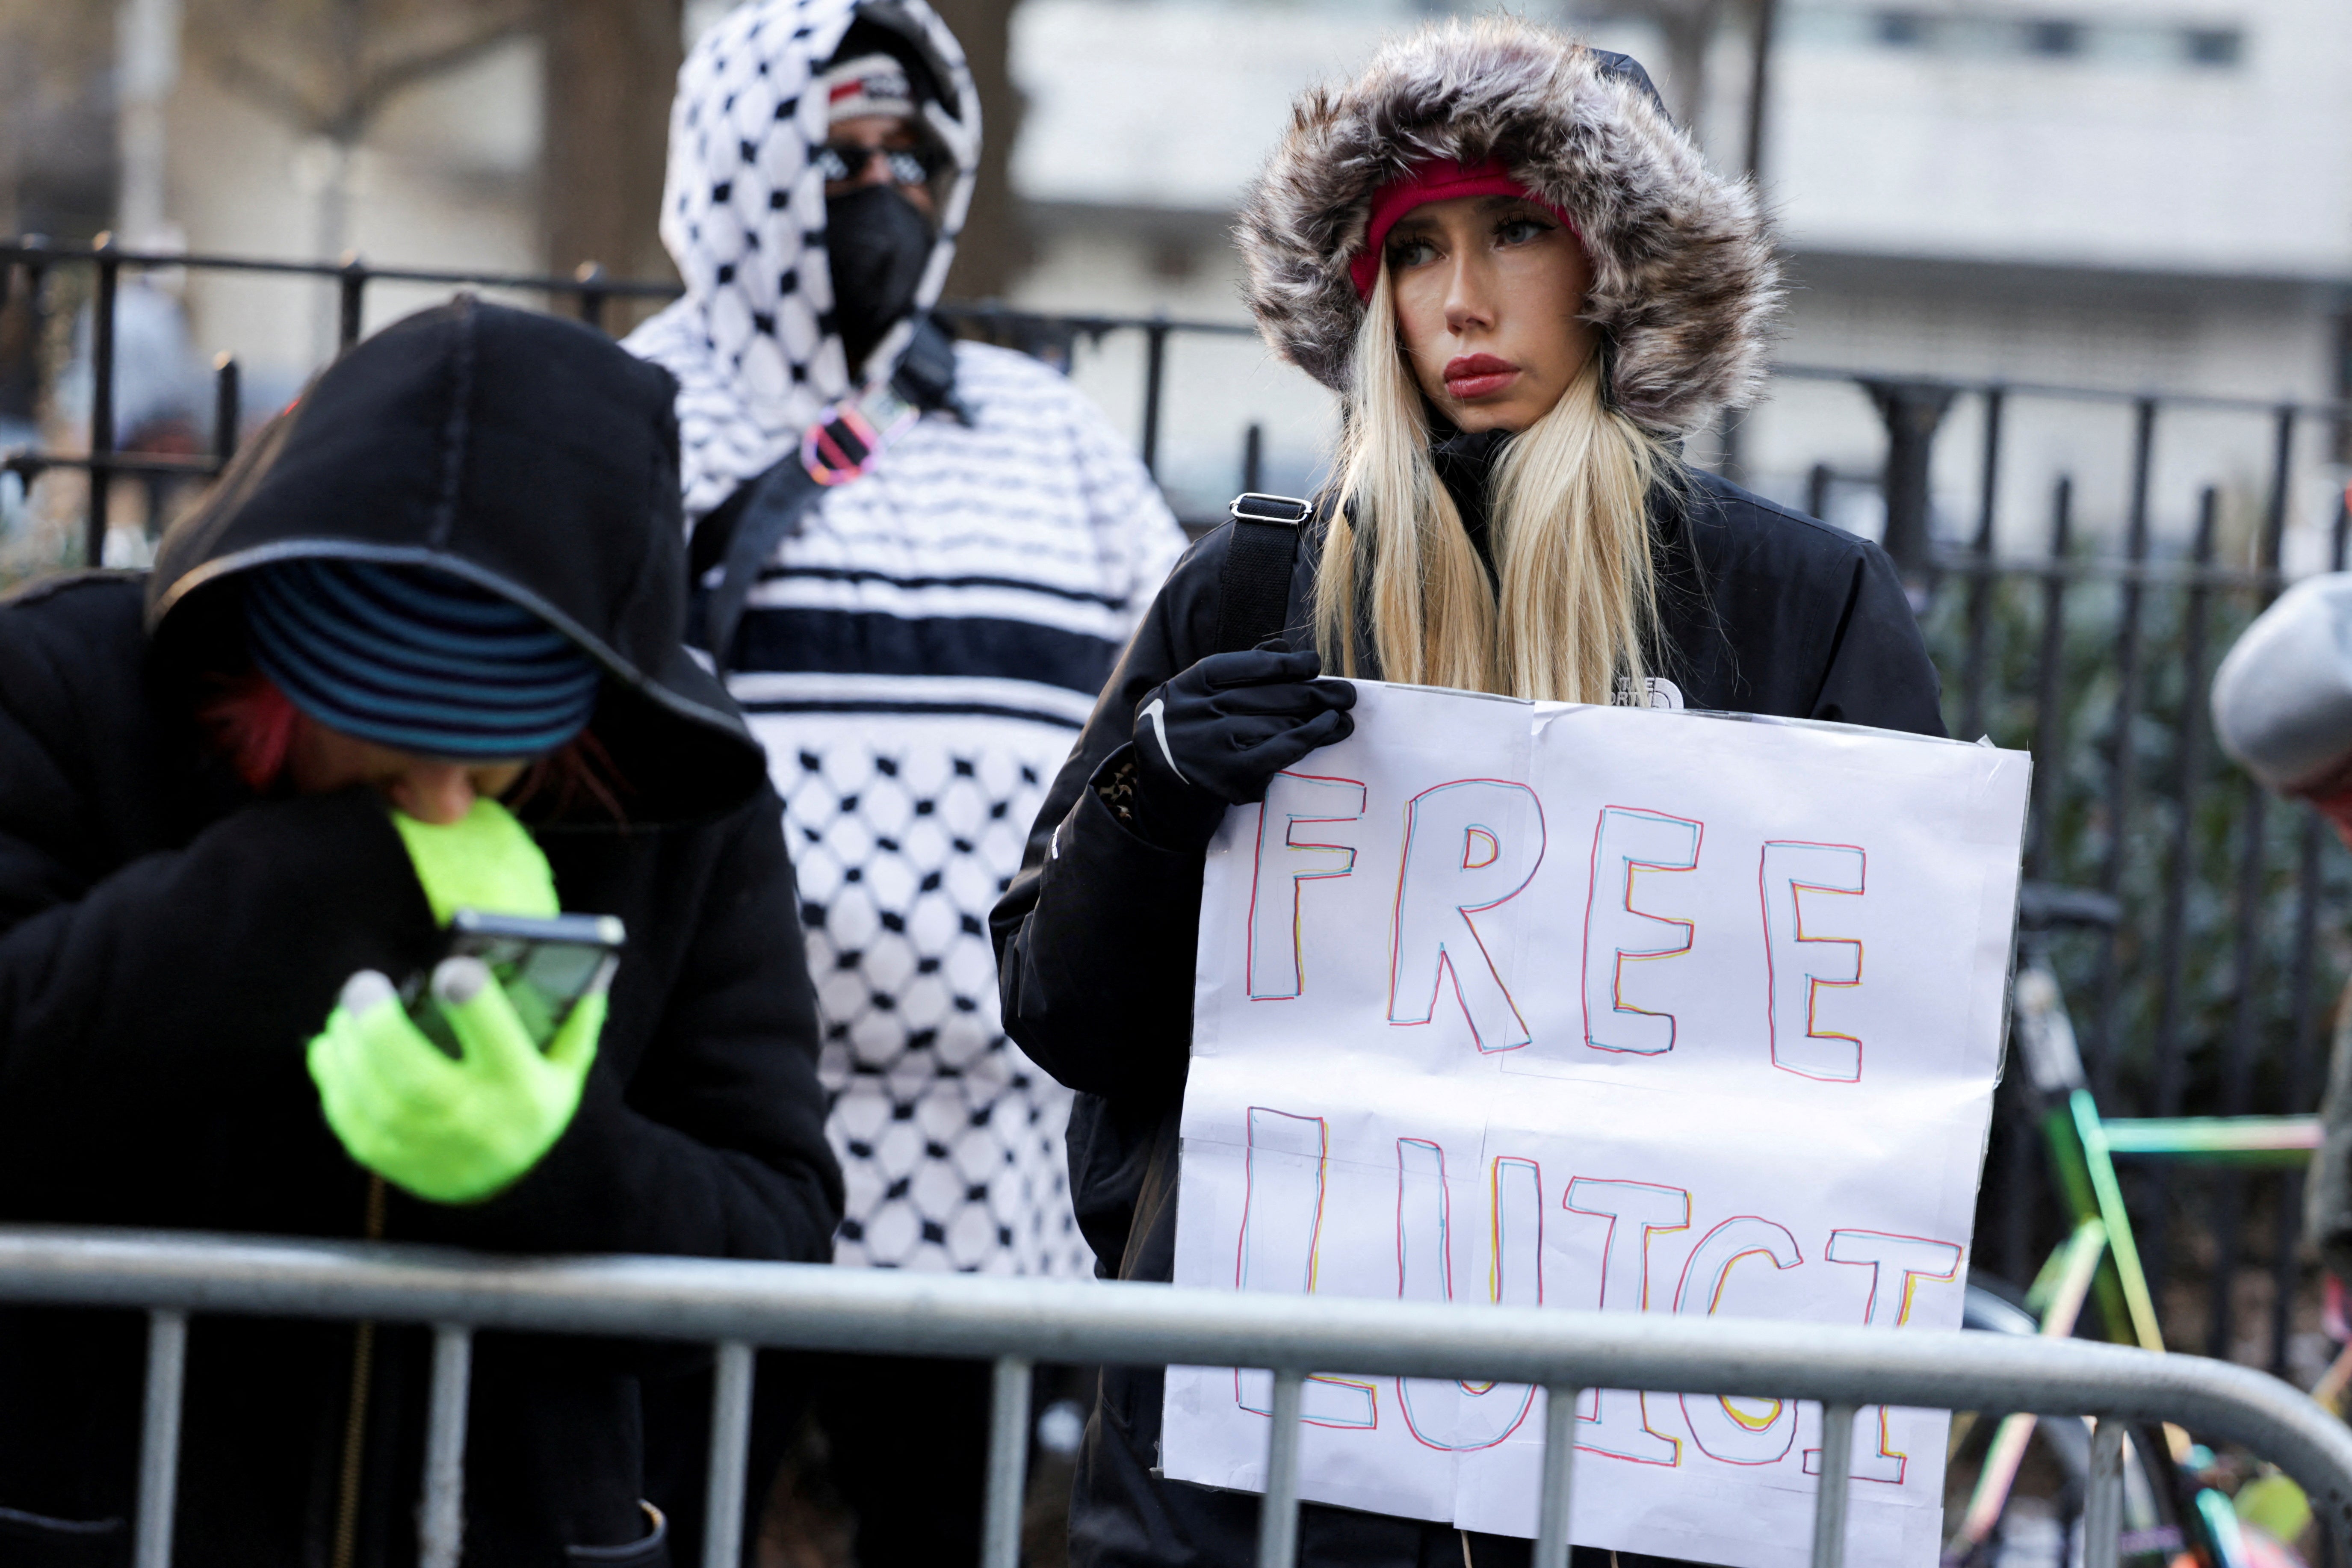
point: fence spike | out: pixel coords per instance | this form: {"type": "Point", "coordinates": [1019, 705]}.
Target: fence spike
{"type": "Point", "coordinates": [101, 401]}
{"type": "Point", "coordinates": [2180, 866]}
{"type": "Point", "coordinates": [1155, 375]}
{"type": "Point", "coordinates": [228, 408]}
{"type": "Point", "coordinates": [591, 278]}
{"type": "Point", "coordinates": [350, 301]}
{"type": "Point", "coordinates": [1980, 574]}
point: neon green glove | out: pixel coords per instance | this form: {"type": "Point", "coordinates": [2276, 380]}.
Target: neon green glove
{"type": "Point", "coordinates": [485, 860]}
{"type": "Point", "coordinates": [452, 1131]}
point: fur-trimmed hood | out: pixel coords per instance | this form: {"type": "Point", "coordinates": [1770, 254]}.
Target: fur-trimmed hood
{"type": "Point", "coordinates": [1684, 277]}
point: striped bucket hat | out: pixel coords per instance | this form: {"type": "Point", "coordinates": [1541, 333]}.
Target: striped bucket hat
{"type": "Point", "coordinates": [418, 659]}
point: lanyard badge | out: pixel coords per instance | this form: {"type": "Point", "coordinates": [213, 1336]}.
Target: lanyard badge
{"type": "Point", "coordinates": [849, 437]}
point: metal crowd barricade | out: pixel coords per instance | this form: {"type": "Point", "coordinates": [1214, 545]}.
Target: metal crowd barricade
{"type": "Point", "coordinates": [1015, 1323]}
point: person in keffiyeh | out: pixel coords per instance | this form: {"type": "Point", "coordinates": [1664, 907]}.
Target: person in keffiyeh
{"type": "Point", "coordinates": [916, 653]}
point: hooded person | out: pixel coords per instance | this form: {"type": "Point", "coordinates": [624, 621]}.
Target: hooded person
{"type": "Point", "coordinates": [1525, 287]}
{"type": "Point", "coordinates": [916, 562]}
{"type": "Point", "coordinates": [418, 650]}
{"type": "Point", "coordinates": [2282, 703]}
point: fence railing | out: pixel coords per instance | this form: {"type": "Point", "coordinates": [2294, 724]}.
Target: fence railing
{"type": "Point", "coordinates": [1912, 409]}
{"type": "Point", "coordinates": [737, 1307]}
{"type": "Point", "coordinates": [588, 293]}
{"type": "Point", "coordinates": [2209, 993]}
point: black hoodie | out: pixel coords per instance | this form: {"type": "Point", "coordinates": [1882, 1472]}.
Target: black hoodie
{"type": "Point", "coordinates": [169, 943]}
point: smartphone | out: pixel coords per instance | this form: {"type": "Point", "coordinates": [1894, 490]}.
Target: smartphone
{"type": "Point", "coordinates": [544, 965]}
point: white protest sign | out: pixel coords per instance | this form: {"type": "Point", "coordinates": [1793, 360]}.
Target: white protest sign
{"type": "Point", "coordinates": [1579, 1006]}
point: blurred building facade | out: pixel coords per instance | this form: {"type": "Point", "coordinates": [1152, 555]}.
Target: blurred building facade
{"type": "Point", "coordinates": [2141, 195]}
{"type": "Point", "coordinates": [446, 177]}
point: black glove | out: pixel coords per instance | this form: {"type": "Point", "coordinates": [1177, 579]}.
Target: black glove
{"type": "Point", "coordinates": [1215, 735]}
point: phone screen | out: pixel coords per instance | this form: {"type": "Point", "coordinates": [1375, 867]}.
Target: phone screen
{"type": "Point", "coordinates": [545, 966]}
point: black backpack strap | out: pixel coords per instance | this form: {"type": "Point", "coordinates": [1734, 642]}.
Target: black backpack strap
{"type": "Point", "coordinates": [1123, 1152]}
{"type": "Point", "coordinates": [778, 499]}
{"type": "Point", "coordinates": [1254, 588]}
{"type": "Point", "coordinates": [926, 373]}
{"type": "Point", "coordinates": [744, 536]}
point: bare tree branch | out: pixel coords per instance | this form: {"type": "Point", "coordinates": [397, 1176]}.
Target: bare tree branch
{"type": "Point", "coordinates": [391, 79]}
{"type": "Point", "coordinates": [274, 94]}
{"type": "Point", "coordinates": [329, 67]}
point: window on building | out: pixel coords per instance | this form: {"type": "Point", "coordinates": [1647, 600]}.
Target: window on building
{"type": "Point", "coordinates": [1988, 30]}
{"type": "Point", "coordinates": [2053, 38]}
{"type": "Point", "coordinates": [1902, 29]}
{"type": "Point", "coordinates": [2213, 46]}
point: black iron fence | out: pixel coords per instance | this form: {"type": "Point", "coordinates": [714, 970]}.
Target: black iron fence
{"type": "Point", "coordinates": [2207, 990]}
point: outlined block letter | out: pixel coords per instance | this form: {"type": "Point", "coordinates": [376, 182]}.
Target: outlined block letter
{"type": "Point", "coordinates": [1896, 1265]}
{"type": "Point", "coordinates": [1734, 1429]}
{"type": "Point", "coordinates": [1285, 1170]}
{"type": "Point", "coordinates": [1627, 842]}
{"type": "Point", "coordinates": [1441, 1413]}
{"type": "Point", "coordinates": [1636, 1211]}
{"type": "Point", "coordinates": [1799, 964]}
{"type": "Point", "coordinates": [1286, 863]}
{"type": "Point", "coordinates": [1462, 857]}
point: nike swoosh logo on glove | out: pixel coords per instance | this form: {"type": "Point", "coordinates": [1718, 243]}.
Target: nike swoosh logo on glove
{"type": "Point", "coordinates": [1152, 710]}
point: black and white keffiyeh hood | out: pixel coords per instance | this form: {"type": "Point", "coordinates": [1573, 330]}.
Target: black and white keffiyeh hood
{"type": "Point", "coordinates": [753, 343]}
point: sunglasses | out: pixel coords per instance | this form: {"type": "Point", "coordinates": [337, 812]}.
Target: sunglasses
{"type": "Point", "coordinates": [839, 161]}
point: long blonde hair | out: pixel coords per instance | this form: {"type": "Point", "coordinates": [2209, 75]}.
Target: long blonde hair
{"type": "Point", "coordinates": [1575, 611]}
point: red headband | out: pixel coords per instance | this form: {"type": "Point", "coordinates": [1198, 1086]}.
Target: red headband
{"type": "Point", "coordinates": [1436, 180]}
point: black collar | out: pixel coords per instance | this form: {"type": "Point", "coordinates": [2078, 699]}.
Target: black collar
{"type": "Point", "coordinates": [1465, 466]}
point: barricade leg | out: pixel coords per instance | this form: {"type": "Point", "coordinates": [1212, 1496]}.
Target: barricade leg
{"type": "Point", "coordinates": [441, 1527]}
{"type": "Point", "coordinates": [2102, 1506]}
{"type": "Point", "coordinates": [1008, 1463]}
{"type": "Point", "coordinates": [158, 1438]}
{"type": "Point", "coordinates": [730, 1453]}
{"type": "Point", "coordinates": [1559, 1465]}
{"type": "Point", "coordinates": [1829, 1505]}
{"type": "Point", "coordinates": [1277, 1525]}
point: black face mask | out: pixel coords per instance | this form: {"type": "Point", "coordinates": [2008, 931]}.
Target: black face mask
{"type": "Point", "coordinates": [878, 244]}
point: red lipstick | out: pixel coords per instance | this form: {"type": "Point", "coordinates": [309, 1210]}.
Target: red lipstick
{"type": "Point", "coordinates": [1472, 376]}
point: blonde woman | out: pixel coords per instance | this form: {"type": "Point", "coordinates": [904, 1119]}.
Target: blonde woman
{"type": "Point", "coordinates": [1526, 286]}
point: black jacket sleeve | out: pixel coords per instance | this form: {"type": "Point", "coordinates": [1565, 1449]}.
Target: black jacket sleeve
{"type": "Point", "coordinates": [1095, 938]}
{"type": "Point", "coordinates": [152, 1025]}
{"type": "Point", "coordinates": [157, 982]}
{"type": "Point", "coordinates": [714, 1145]}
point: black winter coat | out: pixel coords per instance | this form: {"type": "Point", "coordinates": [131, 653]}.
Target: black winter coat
{"type": "Point", "coordinates": [1763, 610]}
{"type": "Point", "coordinates": [169, 943]}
